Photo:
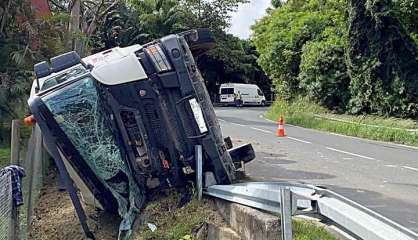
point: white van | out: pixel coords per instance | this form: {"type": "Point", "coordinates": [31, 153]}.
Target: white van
{"type": "Point", "coordinates": [250, 94]}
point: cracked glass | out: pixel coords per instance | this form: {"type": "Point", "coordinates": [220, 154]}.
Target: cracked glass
{"type": "Point", "coordinates": [78, 110]}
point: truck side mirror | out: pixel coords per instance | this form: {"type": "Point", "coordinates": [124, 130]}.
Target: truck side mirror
{"type": "Point", "coordinates": [41, 70]}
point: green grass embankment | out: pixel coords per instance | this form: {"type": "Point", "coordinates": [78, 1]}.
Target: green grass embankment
{"type": "Point", "coordinates": [305, 114]}
{"type": "Point", "coordinates": [4, 156]}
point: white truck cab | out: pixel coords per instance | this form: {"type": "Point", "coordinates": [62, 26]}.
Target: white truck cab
{"type": "Point", "coordinates": [250, 94]}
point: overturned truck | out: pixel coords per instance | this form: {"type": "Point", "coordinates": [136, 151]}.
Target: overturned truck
{"type": "Point", "coordinates": [124, 123]}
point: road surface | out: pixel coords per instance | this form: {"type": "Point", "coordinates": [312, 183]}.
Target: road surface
{"type": "Point", "coordinates": [380, 176]}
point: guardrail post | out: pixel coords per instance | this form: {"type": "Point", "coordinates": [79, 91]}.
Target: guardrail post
{"type": "Point", "coordinates": [199, 170]}
{"type": "Point", "coordinates": [14, 160]}
{"type": "Point", "coordinates": [286, 213]}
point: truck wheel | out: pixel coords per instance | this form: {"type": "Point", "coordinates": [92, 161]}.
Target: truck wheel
{"type": "Point", "coordinates": [263, 103]}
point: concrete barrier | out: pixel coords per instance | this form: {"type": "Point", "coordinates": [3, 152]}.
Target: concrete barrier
{"type": "Point", "coordinates": [248, 222]}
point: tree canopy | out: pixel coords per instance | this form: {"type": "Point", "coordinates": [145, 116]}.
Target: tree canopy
{"type": "Point", "coordinates": [357, 56]}
{"type": "Point", "coordinates": [28, 37]}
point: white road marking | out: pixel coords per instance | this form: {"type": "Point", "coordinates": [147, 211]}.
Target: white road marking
{"type": "Point", "coordinates": [352, 137]}
{"type": "Point", "coordinates": [391, 166]}
{"type": "Point", "coordinates": [268, 120]}
{"type": "Point", "coordinates": [241, 125]}
{"type": "Point", "coordinates": [261, 130]}
{"type": "Point", "coordinates": [349, 153]}
{"type": "Point", "coordinates": [299, 140]}
{"type": "Point", "coordinates": [410, 168]}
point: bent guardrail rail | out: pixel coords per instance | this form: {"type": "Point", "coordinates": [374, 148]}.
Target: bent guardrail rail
{"type": "Point", "coordinates": [351, 216]}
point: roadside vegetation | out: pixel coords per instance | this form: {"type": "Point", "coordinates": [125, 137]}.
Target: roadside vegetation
{"type": "Point", "coordinates": [304, 113]}
{"type": "Point", "coordinates": [31, 34]}
{"type": "Point", "coordinates": [305, 230]}
{"type": "Point", "coordinates": [183, 223]}
{"type": "Point", "coordinates": [4, 155]}
{"type": "Point", "coordinates": [352, 60]}
{"type": "Point", "coordinates": [173, 223]}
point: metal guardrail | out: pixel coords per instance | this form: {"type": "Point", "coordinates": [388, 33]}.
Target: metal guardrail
{"type": "Point", "coordinates": [351, 216]}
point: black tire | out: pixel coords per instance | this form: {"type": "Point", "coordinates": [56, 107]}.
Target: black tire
{"type": "Point", "coordinates": [263, 103]}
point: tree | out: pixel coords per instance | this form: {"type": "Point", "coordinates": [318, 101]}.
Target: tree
{"type": "Point", "coordinates": [276, 3]}
{"type": "Point", "coordinates": [281, 35]}
{"type": "Point", "coordinates": [382, 60]}
{"type": "Point", "coordinates": [213, 14]}
{"type": "Point", "coordinates": [25, 39]}
{"type": "Point", "coordinates": [323, 71]}
{"type": "Point", "coordinates": [407, 13]}
{"type": "Point", "coordinates": [362, 61]}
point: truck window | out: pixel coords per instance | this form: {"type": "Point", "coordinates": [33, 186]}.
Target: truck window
{"type": "Point", "coordinates": [260, 93]}
{"type": "Point", "coordinates": [227, 90]}
{"type": "Point", "coordinates": [68, 75]}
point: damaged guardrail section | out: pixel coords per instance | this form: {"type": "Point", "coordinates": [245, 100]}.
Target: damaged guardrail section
{"type": "Point", "coordinates": [357, 220]}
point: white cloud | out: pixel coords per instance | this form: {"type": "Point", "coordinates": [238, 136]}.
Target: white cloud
{"type": "Point", "coordinates": [246, 16]}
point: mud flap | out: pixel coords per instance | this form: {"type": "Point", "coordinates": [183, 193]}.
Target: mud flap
{"type": "Point", "coordinates": [242, 154]}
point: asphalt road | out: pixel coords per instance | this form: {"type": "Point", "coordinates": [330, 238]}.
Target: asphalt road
{"type": "Point", "coordinates": [380, 176]}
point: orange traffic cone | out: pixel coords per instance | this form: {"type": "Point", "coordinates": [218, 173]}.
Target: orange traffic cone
{"type": "Point", "coordinates": [280, 128]}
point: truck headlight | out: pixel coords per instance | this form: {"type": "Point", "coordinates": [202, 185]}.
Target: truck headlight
{"type": "Point", "coordinates": [158, 58]}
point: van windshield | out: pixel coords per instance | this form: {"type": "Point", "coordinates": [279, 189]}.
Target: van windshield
{"type": "Point", "coordinates": [227, 90]}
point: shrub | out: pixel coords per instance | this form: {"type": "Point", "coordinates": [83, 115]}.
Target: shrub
{"type": "Point", "coordinates": [323, 72]}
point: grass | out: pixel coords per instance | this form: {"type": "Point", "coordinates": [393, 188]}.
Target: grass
{"type": "Point", "coordinates": [174, 223]}
{"type": "Point", "coordinates": [180, 223]}
{"type": "Point", "coordinates": [25, 132]}
{"type": "Point", "coordinates": [4, 156]}
{"type": "Point", "coordinates": [305, 114]}
{"type": "Point", "coordinates": [305, 230]}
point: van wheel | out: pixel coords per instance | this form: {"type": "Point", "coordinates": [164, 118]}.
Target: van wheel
{"type": "Point", "coordinates": [263, 103]}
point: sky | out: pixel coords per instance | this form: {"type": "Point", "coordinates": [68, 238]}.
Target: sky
{"type": "Point", "coordinates": [246, 16]}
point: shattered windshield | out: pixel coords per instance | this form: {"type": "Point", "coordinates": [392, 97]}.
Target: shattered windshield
{"type": "Point", "coordinates": [76, 109]}
{"type": "Point", "coordinates": [79, 112]}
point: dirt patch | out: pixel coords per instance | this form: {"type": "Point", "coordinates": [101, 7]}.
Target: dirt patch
{"type": "Point", "coordinates": [55, 218]}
